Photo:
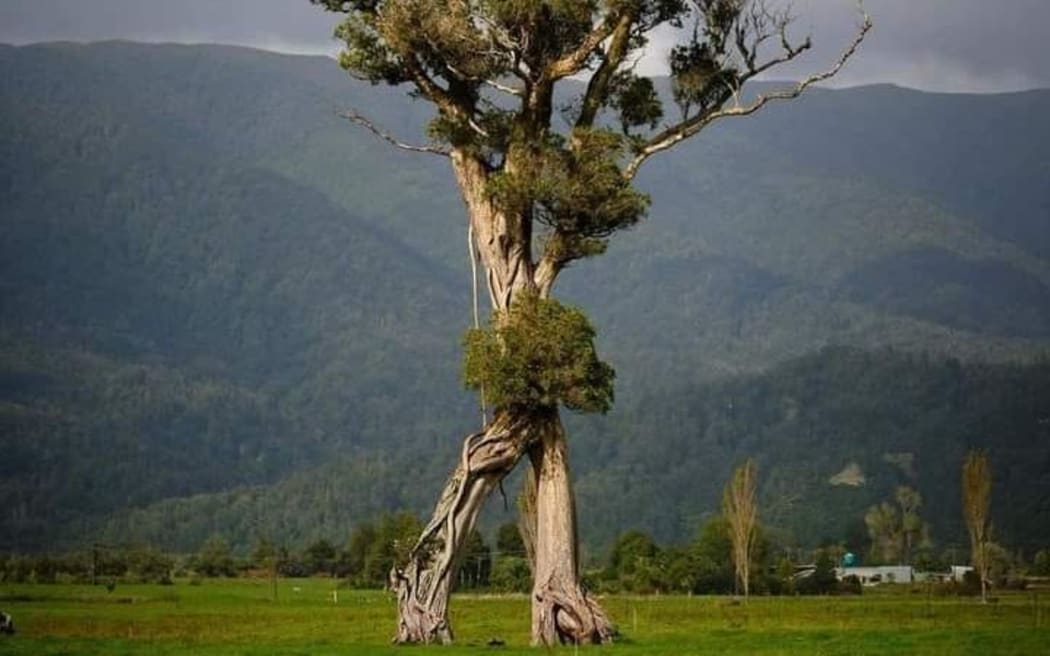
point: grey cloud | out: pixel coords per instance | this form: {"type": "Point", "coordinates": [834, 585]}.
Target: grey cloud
{"type": "Point", "coordinates": [950, 45]}
{"type": "Point", "coordinates": [288, 25]}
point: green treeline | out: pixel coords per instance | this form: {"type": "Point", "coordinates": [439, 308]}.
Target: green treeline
{"type": "Point", "coordinates": [634, 563]}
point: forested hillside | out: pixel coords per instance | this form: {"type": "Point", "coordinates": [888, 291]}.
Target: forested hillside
{"type": "Point", "coordinates": [223, 309]}
{"type": "Point", "coordinates": [660, 461]}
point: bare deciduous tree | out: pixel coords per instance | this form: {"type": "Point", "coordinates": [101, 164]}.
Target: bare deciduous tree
{"type": "Point", "coordinates": [894, 536]}
{"type": "Point", "coordinates": [740, 508]}
{"type": "Point", "coordinates": [976, 498]}
{"type": "Point", "coordinates": [912, 525]}
{"type": "Point", "coordinates": [546, 183]}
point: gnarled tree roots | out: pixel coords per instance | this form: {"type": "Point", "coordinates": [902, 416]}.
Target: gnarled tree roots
{"type": "Point", "coordinates": [561, 610]}
{"type": "Point", "coordinates": [564, 613]}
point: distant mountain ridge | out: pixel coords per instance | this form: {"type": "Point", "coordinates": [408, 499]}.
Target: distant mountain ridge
{"type": "Point", "coordinates": [197, 220]}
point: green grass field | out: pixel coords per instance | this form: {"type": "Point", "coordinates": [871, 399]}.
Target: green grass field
{"type": "Point", "coordinates": [239, 617]}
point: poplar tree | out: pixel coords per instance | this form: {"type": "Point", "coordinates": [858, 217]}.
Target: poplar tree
{"type": "Point", "coordinates": [740, 509]}
{"type": "Point", "coordinates": [547, 183]}
{"type": "Point", "coordinates": [977, 500]}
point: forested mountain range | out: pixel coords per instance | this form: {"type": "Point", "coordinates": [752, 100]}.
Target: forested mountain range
{"type": "Point", "coordinates": [225, 310]}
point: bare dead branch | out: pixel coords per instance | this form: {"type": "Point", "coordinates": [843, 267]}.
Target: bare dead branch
{"type": "Point", "coordinates": [354, 117]}
{"type": "Point", "coordinates": [505, 88]}
{"type": "Point", "coordinates": [675, 134]}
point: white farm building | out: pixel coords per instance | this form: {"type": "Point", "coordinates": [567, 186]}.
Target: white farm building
{"type": "Point", "coordinates": [880, 574]}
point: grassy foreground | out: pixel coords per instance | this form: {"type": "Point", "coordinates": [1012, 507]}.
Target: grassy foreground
{"type": "Point", "coordinates": [239, 617]}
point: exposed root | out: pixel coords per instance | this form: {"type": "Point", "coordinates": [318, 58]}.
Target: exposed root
{"type": "Point", "coordinates": [564, 613]}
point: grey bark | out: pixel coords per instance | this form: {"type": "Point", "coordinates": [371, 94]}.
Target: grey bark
{"type": "Point", "coordinates": [562, 611]}
{"type": "Point", "coordinates": [423, 584]}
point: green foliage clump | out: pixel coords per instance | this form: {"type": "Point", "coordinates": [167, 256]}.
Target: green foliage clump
{"type": "Point", "coordinates": [320, 556]}
{"type": "Point", "coordinates": [511, 574]}
{"type": "Point", "coordinates": [375, 548]}
{"type": "Point", "coordinates": [214, 558]}
{"type": "Point", "coordinates": [578, 193]}
{"type": "Point", "coordinates": [510, 570]}
{"type": "Point", "coordinates": [638, 564]}
{"type": "Point", "coordinates": [712, 558]}
{"type": "Point", "coordinates": [1041, 563]}
{"type": "Point", "coordinates": [148, 564]}
{"type": "Point", "coordinates": [634, 563]}
{"type": "Point", "coordinates": [822, 580]}
{"type": "Point", "coordinates": [636, 100]}
{"type": "Point", "coordinates": [509, 541]}
{"type": "Point", "coordinates": [475, 569]}
{"type": "Point", "coordinates": [538, 355]}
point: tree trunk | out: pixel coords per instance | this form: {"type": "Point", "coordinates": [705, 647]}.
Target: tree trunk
{"type": "Point", "coordinates": [423, 585]}
{"type": "Point", "coordinates": [504, 241]}
{"type": "Point", "coordinates": [982, 571]}
{"type": "Point", "coordinates": [562, 611]}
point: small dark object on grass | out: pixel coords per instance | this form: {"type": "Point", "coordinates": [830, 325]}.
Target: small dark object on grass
{"type": "Point", "coordinates": [496, 642]}
{"type": "Point", "coordinates": [7, 625]}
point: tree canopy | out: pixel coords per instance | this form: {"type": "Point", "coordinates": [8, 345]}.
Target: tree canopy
{"type": "Point", "coordinates": [490, 68]}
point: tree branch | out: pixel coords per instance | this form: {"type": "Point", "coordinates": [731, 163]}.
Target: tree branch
{"type": "Point", "coordinates": [547, 270]}
{"type": "Point", "coordinates": [598, 87]}
{"type": "Point", "coordinates": [687, 128]}
{"type": "Point", "coordinates": [447, 102]}
{"type": "Point", "coordinates": [499, 86]}
{"type": "Point", "coordinates": [574, 62]}
{"type": "Point", "coordinates": [354, 117]}
{"type": "Point", "coordinates": [428, 88]}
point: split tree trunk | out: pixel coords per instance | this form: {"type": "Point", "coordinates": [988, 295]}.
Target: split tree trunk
{"type": "Point", "coordinates": [562, 611]}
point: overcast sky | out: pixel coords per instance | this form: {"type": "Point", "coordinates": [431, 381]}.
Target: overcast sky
{"type": "Point", "coordinates": [940, 45]}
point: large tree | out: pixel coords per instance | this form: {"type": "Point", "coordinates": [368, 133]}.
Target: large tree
{"type": "Point", "coordinates": [546, 122]}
